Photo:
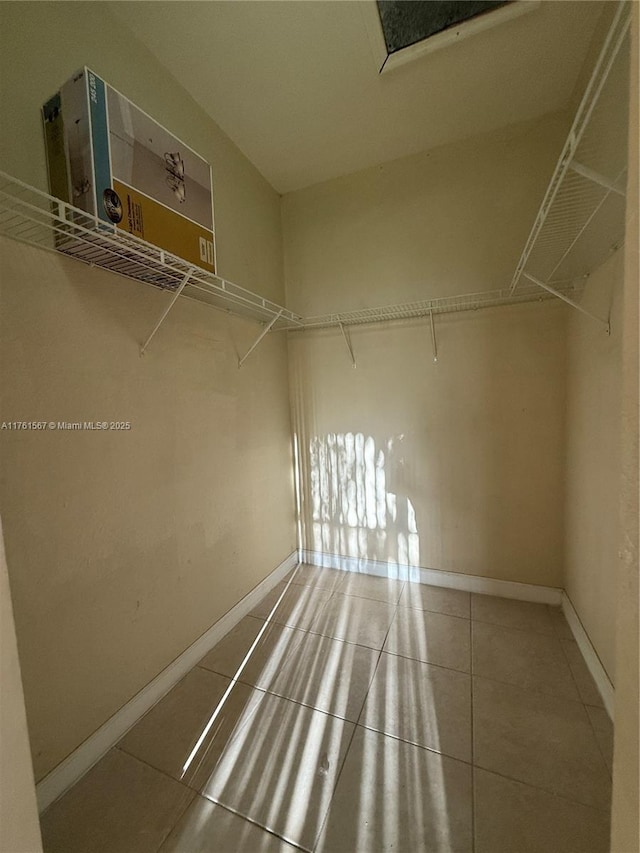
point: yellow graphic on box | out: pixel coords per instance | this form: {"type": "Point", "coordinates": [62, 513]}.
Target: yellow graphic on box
{"type": "Point", "coordinates": [157, 224]}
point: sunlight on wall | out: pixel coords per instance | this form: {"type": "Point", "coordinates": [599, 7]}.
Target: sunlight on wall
{"type": "Point", "coordinates": [353, 513]}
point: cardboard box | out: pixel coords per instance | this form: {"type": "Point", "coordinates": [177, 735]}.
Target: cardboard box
{"type": "Point", "coordinates": [113, 161]}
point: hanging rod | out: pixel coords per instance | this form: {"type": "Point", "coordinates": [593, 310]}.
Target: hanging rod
{"type": "Point", "coordinates": [439, 305]}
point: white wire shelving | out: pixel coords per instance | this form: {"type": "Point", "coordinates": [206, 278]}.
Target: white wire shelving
{"type": "Point", "coordinates": [582, 216]}
{"type": "Point", "coordinates": [34, 217]}
{"type": "Point", "coordinates": [580, 221]}
{"type": "Point", "coordinates": [440, 305]}
{"type": "Point", "coordinates": [571, 290]}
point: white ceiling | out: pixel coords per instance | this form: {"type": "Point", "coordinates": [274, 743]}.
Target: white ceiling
{"type": "Point", "coordinates": [295, 84]}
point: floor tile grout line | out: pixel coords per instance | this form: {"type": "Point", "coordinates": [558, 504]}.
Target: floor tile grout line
{"type": "Point", "coordinates": [575, 681]}
{"type": "Point", "coordinates": [568, 659]}
{"type": "Point", "coordinates": [603, 811]}
{"type": "Point", "coordinates": [426, 662]}
{"type": "Point", "coordinates": [355, 726]}
{"type": "Point", "coordinates": [153, 767]}
{"type": "Point", "coordinates": [333, 791]}
{"type": "Point", "coordinates": [380, 652]}
{"type": "Point", "coordinates": [597, 739]}
{"type": "Point", "coordinates": [255, 823]}
{"type": "Point", "coordinates": [433, 751]}
{"type": "Point", "coordinates": [438, 612]}
{"type": "Point", "coordinates": [551, 634]}
{"type": "Point", "coordinates": [593, 729]}
{"type": "Point", "coordinates": [534, 690]}
{"type": "Point", "coordinates": [342, 640]}
{"type": "Point", "coordinates": [387, 600]}
{"type": "Point", "coordinates": [177, 821]}
{"type": "Point", "coordinates": [270, 692]}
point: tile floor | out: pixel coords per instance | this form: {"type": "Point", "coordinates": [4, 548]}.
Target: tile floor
{"type": "Point", "coordinates": [352, 714]}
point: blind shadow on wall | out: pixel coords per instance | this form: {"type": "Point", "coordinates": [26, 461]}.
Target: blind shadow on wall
{"type": "Point", "coordinates": [355, 510]}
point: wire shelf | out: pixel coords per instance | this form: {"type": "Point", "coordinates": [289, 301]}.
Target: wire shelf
{"type": "Point", "coordinates": [443, 305]}
{"type": "Point", "coordinates": [582, 217]}
{"type": "Point", "coordinates": [31, 216]}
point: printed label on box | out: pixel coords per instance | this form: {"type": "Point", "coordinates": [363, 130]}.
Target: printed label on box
{"type": "Point", "coordinates": [113, 161]}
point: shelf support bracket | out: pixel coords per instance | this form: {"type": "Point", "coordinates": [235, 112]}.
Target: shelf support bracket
{"type": "Point", "coordinates": [434, 343]}
{"type": "Point", "coordinates": [262, 334]}
{"type": "Point", "coordinates": [569, 301]}
{"type": "Point", "coordinates": [596, 177]}
{"type": "Point", "coordinates": [348, 343]}
{"type": "Point", "coordinates": [182, 286]}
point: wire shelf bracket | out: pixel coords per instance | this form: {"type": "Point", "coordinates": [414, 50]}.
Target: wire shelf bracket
{"type": "Point", "coordinates": [597, 178]}
{"type": "Point", "coordinates": [434, 342]}
{"type": "Point", "coordinates": [262, 335]}
{"type": "Point", "coordinates": [347, 340]}
{"type": "Point", "coordinates": [182, 286]}
{"type": "Point", "coordinates": [569, 301]}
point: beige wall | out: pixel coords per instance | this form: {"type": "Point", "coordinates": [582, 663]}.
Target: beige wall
{"type": "Point", "coordinates": [626, 765]}
{"type": "Point", "coordinates": [19, 828]}
{"type": "Point", "coordinates": [124, 547]}
{"type": "Point", "coordinates": [454, 466]}
{"type": "Point", "coordinates": [471, 446]}
{"type": "Point", "coordinates": [444, 222]}
{"type": "Point", "coordinates": [594, 363]}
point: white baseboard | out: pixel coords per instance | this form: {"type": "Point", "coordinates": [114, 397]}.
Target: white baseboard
{"type": "Point", "coordinates": [434, 577]}
{"type": "Point", "coordinates": [94, 747]}
{"type": "Point", "coordinates": [598, 672]}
